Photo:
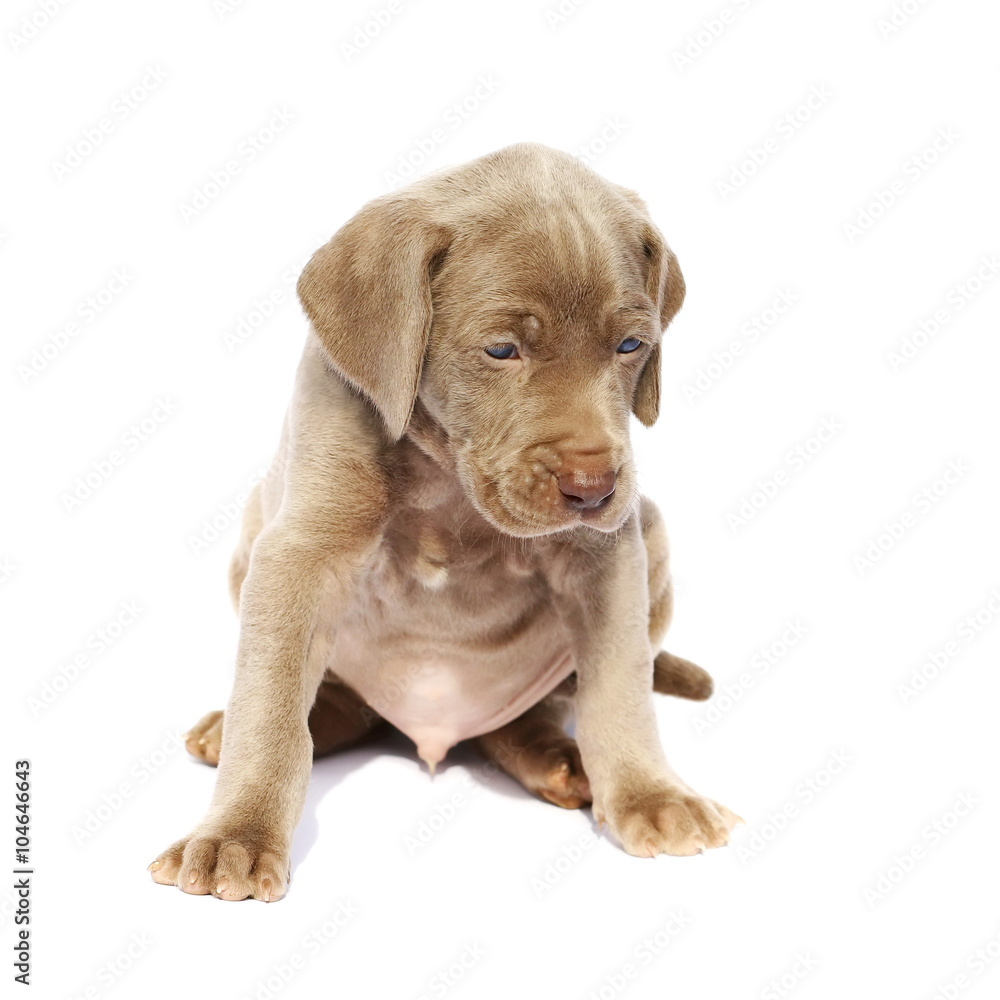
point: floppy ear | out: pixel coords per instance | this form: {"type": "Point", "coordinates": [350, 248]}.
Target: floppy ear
{"type": "Point", "coordinates": [367, 293]}
{"type": "Point", "coordinates": [665, 286]}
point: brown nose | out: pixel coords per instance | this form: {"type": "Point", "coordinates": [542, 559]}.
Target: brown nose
{"type": "Point", "coordinates": [586, 491]}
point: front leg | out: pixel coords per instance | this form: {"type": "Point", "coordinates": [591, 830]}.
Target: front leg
{"type": "Point", "coordinates": [644, 802]}
{"type": "Point", "coordinates": [241, 848]}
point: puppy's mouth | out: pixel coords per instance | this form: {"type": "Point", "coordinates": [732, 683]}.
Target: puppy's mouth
{"type": "Point", "coordinates": [527, 505]}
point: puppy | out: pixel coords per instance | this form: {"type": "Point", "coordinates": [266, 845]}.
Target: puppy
{"type": "Point", "coordinates": [450, 538]}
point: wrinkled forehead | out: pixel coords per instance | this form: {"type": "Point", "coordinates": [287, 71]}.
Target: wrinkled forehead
{"type": "Point", "coordinates": [569, 258]}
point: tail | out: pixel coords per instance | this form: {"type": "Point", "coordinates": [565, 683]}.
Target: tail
{"type": "Point", "coordinates": [673, 675]}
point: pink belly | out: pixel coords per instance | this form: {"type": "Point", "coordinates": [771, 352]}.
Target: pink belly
{"type": "Point", "coordinates": [436, 714]}
{"type": "Point", "coordinates": [438, 699]}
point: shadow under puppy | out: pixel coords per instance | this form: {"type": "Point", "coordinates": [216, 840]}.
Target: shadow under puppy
{"type": "Point", "coordinates": [450, 537]}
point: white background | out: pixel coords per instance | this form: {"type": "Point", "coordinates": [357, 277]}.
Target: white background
{"type": "Point", "coordinates": [820, 908]}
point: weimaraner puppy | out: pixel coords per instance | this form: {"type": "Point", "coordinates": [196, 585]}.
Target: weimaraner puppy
{"type": "Point", "coordinates": [450, 538]}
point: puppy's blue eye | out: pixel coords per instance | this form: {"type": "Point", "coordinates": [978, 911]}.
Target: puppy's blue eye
{"type": "Point", "coordinates": [629, 345]}
{"type": "Point", "coordinates": [502, 352]}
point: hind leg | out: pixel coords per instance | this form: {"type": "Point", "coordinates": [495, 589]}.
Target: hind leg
{"type": "Point", "coordinates": [341, 718]}
{"type": "Point", "coordinates": [535, 750]}
{"type": "Point", "coordinates": [338, 719]}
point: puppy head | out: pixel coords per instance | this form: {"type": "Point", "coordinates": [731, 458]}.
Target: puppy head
{"type": "Point", "coordinates": [522, 298]}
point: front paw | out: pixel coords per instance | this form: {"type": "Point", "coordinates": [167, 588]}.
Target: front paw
{"type": "Point", "coordinates": [668, 819]}
{"type": "Point", "coordinates": [228, 864]}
